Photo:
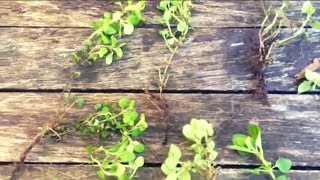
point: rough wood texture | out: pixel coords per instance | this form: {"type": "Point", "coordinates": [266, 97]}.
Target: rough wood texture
{"type": "Point", "coordinates": [39, 59]}
{"type": "Point", "coordinates": [290, 125]}
{"type": "Point", "coordinates": [77, 13]}
{"type": "Point", "coordinates": [83, 172]}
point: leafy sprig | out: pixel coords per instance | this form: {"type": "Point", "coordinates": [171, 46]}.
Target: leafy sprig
{"type": "Point", "coordinates": [176, 18]}
{"type": "Point", "coordinates": [199, 133]}
{"type": "Point", "coordinates": [251, 144]}
{"type": "Point", "coordinates": [103, 43]}
{"type": "Point", "coordinates": [112, 119]}
{"type": "Point", "coordinates": [312, 82]}
{"type": "Point", "coordinates": [272, 24]}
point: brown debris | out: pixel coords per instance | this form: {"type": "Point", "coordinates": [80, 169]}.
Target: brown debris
{"type": "Point", "coordinates": [313, 67]}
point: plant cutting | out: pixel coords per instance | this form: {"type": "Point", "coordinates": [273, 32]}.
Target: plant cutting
{"type": "Point", "coordinates": [104, 42]}
{"type": "Point", "coordinates": [121, 120]}
{"type": "Point", "coordinates": [67, 102]}
{"type": "Point", "coordinates": [199, 135]}
{"type": "Point", "coordinates": [251, 144]}
{"type": "Point", "coordinates": [269, 35]}
{"type": "Point", "coordinates": [176, 18]}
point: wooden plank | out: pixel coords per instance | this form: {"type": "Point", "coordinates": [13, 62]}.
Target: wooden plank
{"type": "Point", "coordinates": [290, 125]}
{"type": "Point", "coordinates": [77, 13]}
{"type": "Point", "coordinates": [210, 59]}
{"type": "Point", "coordinates": [39, 59]}
{"type": "Point", "coordinates": [66, 172]}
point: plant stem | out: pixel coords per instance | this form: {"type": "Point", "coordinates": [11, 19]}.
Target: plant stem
{"type": "Point", "coordinates": [165, 76]}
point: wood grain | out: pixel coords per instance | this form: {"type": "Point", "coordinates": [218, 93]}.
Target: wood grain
{"type": "Point", "coordinates": [40, 59]}
{"type": "Point", "coordinates": [77, 13]}
{"type": "Point", "coordinates": [84, 172]}
{"type": "Point", "coordinates": [80, 14]}
{"type": "Point", "coordinates": [210, 59]}
{"type": "Point", "coordinates": [289, 126]}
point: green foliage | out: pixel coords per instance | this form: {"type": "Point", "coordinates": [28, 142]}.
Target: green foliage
{"type": "Point", "coordinates": [309, 10]}
{"type": "Point", "coordinates": [199, 132]}
{"type": "Point", "coordinates": [272, 24]}
{"type": "Point", "coordinates": [104, 41]}
{"type": "Point", "coordinates": [251, 144]}
{"type": "Point", "coordinates": [312, 82]}
{"type": "Point", "coordinates": [176, 17]}
{"type": "Point", "coordinates": [110, 120]}
{"type": "Point", "coordinates": [70, 100]}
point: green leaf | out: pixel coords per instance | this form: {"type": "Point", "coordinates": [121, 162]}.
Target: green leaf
{"type": "Point", "coordinates": [284, 164]}
{"type": "Point", "coordinates": [174, 152]}
{"type": "Point", "coordinates": [166, 16]}
{"type": "Point", "coordinates": [239, 140]}
{"type": "Point", "coordinates": [90, 149]}
{"type": "Point", "coordinates": [128, 29]}
{"type": "Point", "coordinates": [113, 41]}
{"type": "Point", "coordinates": [120, 169]}
{"type": "Point", "coordinates": [109, 30]}
{"type": "Point", "coordinates": [307, 8]}
{"type": "Point", "coordinates": [105, 39]}
{"type": "Point", "coordinates": [239, 148]}
{"type": "Point", "coordinates": [282, 177]}
{"type": "Point", "coordinates": [182, 26]}
{"type": "Point", "coordinates": [315, 25]}
{"type": "Point", "coordinates": [185, 175]}
{"type": "Point", "coordinates": [165, 169]}
{"type": "Point", "coordinates": [88, 42]}
{"type": "Point", "coordinates": [171, 41]}
{"type": "Point", "coordinates": [187, 131]}
{"type": "Point", "coordinates": [118, 52]}
{"type": "Point", "coordinates": [133, 19]}
{"type": "Point", "coordinates": [138, 147]}
{"type": "Point", "coordinates": [79, 101]}
{"type": "Point", "coordinates": [139, 162]}
{"type": "Point", "coordinates": [107, 15]}
{"type": "Point", "coordinates": [171, 163]}
{"type": "Point", "coordinates": [124, 102]}
{"type": "Point", "coordinates": [249, 144]}
{"type": "Point", "coordinates": [103, 51]}
{"type": "Point", "coordinates": [109, 58]}
{"type": "Point", "coordinates": [116, 16]}
{"type": "Point", "coordinates": [163, 5]}
{"type": "Point", "coordinates": [101, 175]}
{"type": "Point", "coordinates": [311, 76]}
{"type": "Point", "coordinates": [127, 156]}
{"type": "Point", "coordinates": [255, 132]}
{"type": "Point", "coordinates": [75, 58]}
{"type": "Point", "coordinates": [304, 87]}
{"type": "Point", "coordinates": [98, 107]}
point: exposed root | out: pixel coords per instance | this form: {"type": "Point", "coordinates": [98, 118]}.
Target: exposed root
{"type": "Point", "coordinates": [161, 103]}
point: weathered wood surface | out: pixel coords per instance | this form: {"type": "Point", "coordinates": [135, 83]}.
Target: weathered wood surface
{"type": "Point", "coordinates": [290, 125]}
{"type": "Point", "coordinates": [77, 13]}
{"type": "Point", "coordinates": [40, 59]}
{"type": "Point", "coordinates": [84, 172]}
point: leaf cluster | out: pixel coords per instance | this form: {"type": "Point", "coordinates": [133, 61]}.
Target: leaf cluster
{"type": "Point", "coordinates": [199, 132]}
{"type": "Point", "coordinates": [103, 43]}
{"type": "Point", "coordinates": [272, 24]}
{"type": "Point", "coordinates": [176, 17]}
{"type": "Point", "coordinates": [312, 81]}
{"type": "Point", "coordinates": [308, 9]}
{"type": "Point", "coordinates": [251, 144]}
{"type": "Point", "coordinates": [121, 119]}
